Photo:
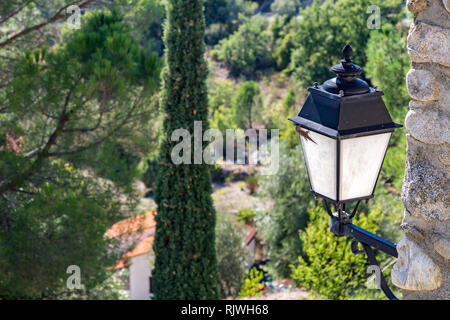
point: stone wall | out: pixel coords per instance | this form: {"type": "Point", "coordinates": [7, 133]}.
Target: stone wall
{"type": "Point", "coordinates": [423, 268]}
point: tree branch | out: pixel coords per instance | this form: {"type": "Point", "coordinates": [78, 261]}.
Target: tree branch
{"type": "Point", "coordinates": [101, 140]}
{"type": "Point", "coordinates": [42, 154]}
{"type": "Point", "coordinates": [14, 12]}
{"type": "Point", "coordinates": [84, 130]}
{"type": "Point", "coordinates": [58, 15]}
{"type": "Point", "coordinates": [23, 191]}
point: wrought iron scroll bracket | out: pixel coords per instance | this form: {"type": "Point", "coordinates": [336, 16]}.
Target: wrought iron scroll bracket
{"type": "Point", "coordinates": [341, 225]}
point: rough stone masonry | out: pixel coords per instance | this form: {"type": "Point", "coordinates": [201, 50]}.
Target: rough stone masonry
{"type": "Point", "coordinates": [423, 269]}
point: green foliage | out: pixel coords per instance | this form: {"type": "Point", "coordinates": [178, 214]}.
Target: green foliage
{"type": "Point", "coordinates": [246, 215]}
{"type": "Point", "coordinates": [185, 256]}
{"type": "Point", "coordinates": [388, 190]}
{"type": "Point", "coordinates": [229, 179]}
{"type": "Point", "coordinates": [285, 7]}
{"type": "Point", "coordinates": [222, 11]}
{"type": "Point", "coordinates": [147, 17]}
{"type": "Point", "coordinates": [149, 170]}
{"type": "Point", "coordinates": [232, 256]}
{"type": "Point", "coordinates": [245, 101]}
{"type": "Point", "coordinates": [122, 168]}
{"type": "Point", "coordinates": [217, 174]}
{"type": "Point", "coordinates": [223, 119]}
{"type": "Point", "coordinates": [326, 28]}
{"type": "Point", "coordinates": [246, 50]}
{"type": "Point", "coordinates": [387, 65]}
{"type": "Point", "coordinates": [282, 29]}
{"type": "Point", "coordinates": [290, 191]}
{"type": "Point", "coordinates": [251, 182]}
{"type": "Point", "coordinates": [283, 52]}
{"type": "Point", "coordinates": [62, 224]}
{"type": "Point", "coordinates": [278, 118]}
{"type": "Point", "coordinates": [218, 31]}
{"type": "Point", "coordinates": [222, 17]}
{"type": "Point", "coordinates": [233, 109]}
{"type": "Point", "coordinates": [252, 284]}
{"type": "Point", "coordinates": [221, 105]}
{"type": "Point", "coordinates": [289, 102]}
{"type": "Point", "coordinates": [61, 185]}
{"type": "Point", "coordinates": [221, 94]}
{"type": "Point", "coordinates": [329, 267]}
{"type": "Point", "coordinates": [393, 170]}
{"type": "Point", "coordinates": [391, 205]}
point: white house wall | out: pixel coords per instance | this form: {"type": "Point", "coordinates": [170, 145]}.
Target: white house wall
{"type": "Point", "coordinates": [139, 278]}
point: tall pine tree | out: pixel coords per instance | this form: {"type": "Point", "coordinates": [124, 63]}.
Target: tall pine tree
{"type": "Point", "coordinates": [185, 258]}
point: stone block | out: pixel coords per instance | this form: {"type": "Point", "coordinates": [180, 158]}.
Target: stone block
{"type": "Point", "coordinates": [427, 43]}
{"type": "Point", "coordinates": [428, 126]}
{"type": "Point", "coordinates": [414, 269]}
{"type": "Point", "coordinates": [416, 6]}
{"type": "Point", "coordinates": [442, 246]}
{"type": "Point", "coordinates": [425, 191]}
{"type": "Point", "coordinates": [422, 85]}
{"type": "Point", "coordinates": [446, 4]}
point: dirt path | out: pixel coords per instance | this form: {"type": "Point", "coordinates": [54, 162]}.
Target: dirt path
{"type": "Point", "coordinates": [294, 294]}
{"type": "Point", "coordinates": [232, 198]}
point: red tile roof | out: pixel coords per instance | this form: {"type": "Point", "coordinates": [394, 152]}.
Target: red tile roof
{"type": "Point", "coordinates": [133, 224]}
{"type": "Point", "coordinates": [251, 234]}
{"type": "Point", "coordinates": [139, 229]}
{"type": "Point", "coordinates": [144, 247]}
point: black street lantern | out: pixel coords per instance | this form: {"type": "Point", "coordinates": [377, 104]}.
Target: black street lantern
{"type": "Point", "coordinates": [345, 129]}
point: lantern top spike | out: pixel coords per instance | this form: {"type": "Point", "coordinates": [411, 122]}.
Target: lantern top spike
{"type": "Point", "coordinates": [347, 52]}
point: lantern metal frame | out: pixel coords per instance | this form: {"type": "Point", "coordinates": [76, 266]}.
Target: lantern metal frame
{"type": "Point", "coordinates": [341, 117]}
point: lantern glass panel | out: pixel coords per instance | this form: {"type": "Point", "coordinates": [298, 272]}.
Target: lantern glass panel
{"type": "Point", "coordinates": [321, 158]}
{"type": "Point", "coordinates": [360, 162]}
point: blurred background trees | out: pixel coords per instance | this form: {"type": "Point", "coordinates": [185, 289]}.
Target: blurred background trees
{"type": "Point", "coordinates": [69, 170]}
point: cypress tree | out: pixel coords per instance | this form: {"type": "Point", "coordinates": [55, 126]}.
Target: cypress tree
{"type": "Point", "coordinates": [185, 258]}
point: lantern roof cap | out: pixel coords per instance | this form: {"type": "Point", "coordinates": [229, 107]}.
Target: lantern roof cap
{"type": "Point", "coordinates": [341, 117]}
{"type": "Point", "coordinates": [346, 82]}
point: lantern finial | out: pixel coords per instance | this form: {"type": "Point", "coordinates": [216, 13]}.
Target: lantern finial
{"type": "Point", "coordinates": [346, 73]}
{"type": "Point", "coordinates": [347, 52]}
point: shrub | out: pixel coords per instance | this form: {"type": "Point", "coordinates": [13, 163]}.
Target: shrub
{"type": "Point", "coordinates": [223, 119]}
{"type": "Point", "coordinates": [329, 267]}
{"type": "Point", "coordinates": [285, 7]}
{"type": "Point", "coordinates": [252, 284]}
{"type": "Point", "coordinates": [326, 28]}
{"type": "Point", "coordinates": [232, 256]}
{"type": "Point", "coordinates": [222, 11]}
{"type": "Point", "coordinates": [216, 32]}
{"type": "Point", "coordinates": [246, 215]}
{"type": "Point", "coordinates": [290, 191]}
{"type": "Point", "coordinates": [246, 50]}
{"type": "Point", "coordinates": [245, 104]}
{"type": "Point", "coordinates": [149, 168]}
{"type": "Point", "coordinates": [217, 174]}
{"type": "Point", "coordinates": [252, 184]}
{"type": "Point", "coordinates": [387, 65]}
{"type": "Point", "coordinates": [282, 54]}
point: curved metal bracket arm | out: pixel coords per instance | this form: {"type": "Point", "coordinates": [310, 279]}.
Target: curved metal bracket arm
{"type": "Point", "coordinates": [373, 261]}
{"type": "Point", "coordinates": [342, 226]}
